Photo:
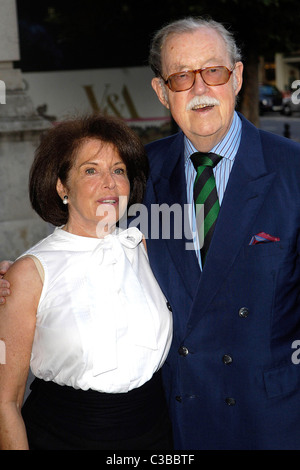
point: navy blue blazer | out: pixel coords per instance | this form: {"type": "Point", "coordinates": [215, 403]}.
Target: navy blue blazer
{"type": "Point", "coordinates": [232, 377]}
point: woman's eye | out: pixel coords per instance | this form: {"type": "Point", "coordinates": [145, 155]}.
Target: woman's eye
{"type": "Point", "coordinates": [90, 171]}
{"type": "Point", "coordinates": [119, 171]}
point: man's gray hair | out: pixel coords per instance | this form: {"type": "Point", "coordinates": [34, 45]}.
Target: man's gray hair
{"type": "Point", "coordinates": [189, 25]}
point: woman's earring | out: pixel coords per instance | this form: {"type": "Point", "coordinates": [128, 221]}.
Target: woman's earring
{"type": "Point", "coordinates": [65, 201]}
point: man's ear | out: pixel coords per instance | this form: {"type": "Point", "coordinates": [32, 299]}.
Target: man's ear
{"type": "Point", "coordinates": [238, 76]}
{"type": "Point", "coordinates": [160, 91]}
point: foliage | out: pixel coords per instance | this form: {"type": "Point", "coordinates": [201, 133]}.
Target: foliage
{"type": "Point", "coordinates": [112, 33]}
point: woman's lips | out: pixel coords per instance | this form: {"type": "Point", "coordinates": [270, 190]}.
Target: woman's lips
{"type": "Point", "coordinates": [109, 200]}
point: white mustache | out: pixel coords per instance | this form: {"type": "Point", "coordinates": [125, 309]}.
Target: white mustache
{"type": "Point", "coordinates": [202, 101]}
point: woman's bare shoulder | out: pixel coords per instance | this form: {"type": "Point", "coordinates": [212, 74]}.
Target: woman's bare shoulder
{"type": "Point", "coordinates": [25, 280]}
{"type": "Point", "coordinates": [24, 266]}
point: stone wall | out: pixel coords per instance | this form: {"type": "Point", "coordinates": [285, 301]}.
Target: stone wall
{"type": "Point", "coordinates": [20, 130]}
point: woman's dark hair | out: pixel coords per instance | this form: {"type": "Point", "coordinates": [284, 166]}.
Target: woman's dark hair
{"type": "Point", "coordinates": [56, 154]}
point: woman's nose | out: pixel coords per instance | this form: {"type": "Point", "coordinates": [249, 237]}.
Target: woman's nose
{"type": "Point", "coordinates": [108, 180]}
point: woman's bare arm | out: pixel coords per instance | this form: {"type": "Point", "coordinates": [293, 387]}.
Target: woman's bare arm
{"type": "Point", "coordinates": [17, 327]}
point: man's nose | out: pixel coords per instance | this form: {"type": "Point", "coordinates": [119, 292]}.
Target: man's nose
{"type": "Point", "coordinates": [199, 84]}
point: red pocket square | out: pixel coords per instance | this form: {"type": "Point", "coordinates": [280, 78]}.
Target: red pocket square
{"type": "Point", "coordinates": [263, 237]}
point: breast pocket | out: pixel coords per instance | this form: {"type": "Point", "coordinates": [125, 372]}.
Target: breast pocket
{"type": "Point", "coordinates": [262, 250]}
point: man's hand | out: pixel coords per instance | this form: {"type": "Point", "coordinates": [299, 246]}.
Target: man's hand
{"type": "Point", "coordinates": [4, 285]}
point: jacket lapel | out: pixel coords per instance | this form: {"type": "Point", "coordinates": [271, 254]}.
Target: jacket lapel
{"type": "Point", "coordinates": [170, 188]}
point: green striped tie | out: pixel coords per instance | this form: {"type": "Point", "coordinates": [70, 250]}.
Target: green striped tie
{"type": "Point", "coordinates": [205, 193]}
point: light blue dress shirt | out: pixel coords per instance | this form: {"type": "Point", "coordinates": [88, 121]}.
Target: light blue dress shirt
{"type": "Point", "coordinates": [227, 148]}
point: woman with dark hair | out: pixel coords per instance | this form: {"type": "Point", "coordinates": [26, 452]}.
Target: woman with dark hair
{"type": "Point", "coordinates": [86, 313]}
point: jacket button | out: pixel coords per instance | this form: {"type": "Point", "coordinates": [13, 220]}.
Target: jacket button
{"type": "Point", "coordinates": [227, 359]}
{"type": "Point", "coordinates": [243, 312]}
{"type": "Point", "coordinates": [178, 398]}
{"type": "Point", "coordinates": [230, 401]}
{"type": "Point", "coordinates": [169, 306]}
{"type": "Point", "coordinates": [183, 351]}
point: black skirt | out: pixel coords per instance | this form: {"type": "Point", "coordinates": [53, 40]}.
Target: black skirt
{"type": "Point", "coordinates": [62, 418]}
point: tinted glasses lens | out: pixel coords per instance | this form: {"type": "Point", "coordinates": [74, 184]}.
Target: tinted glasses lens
{"type": "Point", "coordinates": [215, 75]}
{"type": "Point", "coordinates": [181, 81]}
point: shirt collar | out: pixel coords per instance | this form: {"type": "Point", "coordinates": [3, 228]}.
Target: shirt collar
{"type": "Point", "coordinates": [227, 147]}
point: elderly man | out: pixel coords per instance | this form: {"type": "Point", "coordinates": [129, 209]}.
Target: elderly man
{"type": "Point", "coordinates": [231, 379]}
{"type": "Point", "coordinates": [232, 376]}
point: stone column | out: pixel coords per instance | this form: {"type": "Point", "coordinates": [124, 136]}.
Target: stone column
{"type": "Point", "coordinates": [20, 130]}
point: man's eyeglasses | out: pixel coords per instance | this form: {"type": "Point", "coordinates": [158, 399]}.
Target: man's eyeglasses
{"type": "Point", "coordinates": [212, 76]}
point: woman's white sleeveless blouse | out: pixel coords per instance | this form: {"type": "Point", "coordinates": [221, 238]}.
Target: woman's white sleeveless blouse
{"type": "Point", "coordinates": [102, 320]}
